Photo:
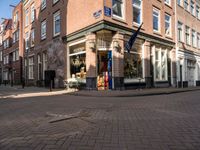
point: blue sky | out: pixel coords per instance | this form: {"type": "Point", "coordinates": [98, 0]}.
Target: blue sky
{"type": "Point", "coordinates": [5, 9]}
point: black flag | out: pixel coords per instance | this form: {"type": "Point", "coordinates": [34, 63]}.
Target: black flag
{"type": "Point", "coordinates": [131, 41]}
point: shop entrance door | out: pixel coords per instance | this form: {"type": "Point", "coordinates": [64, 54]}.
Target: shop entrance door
{"type": "Point", "coordinates": [104, 78]}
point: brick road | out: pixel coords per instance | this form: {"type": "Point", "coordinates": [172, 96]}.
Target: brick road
{"type": "Point", "coordinates": [167, 122]}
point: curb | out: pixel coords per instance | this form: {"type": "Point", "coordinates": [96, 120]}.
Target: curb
{"type": "Point", "coordinates": [134, 95]}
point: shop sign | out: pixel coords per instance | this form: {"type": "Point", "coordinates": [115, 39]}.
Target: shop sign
{"type": "Point", "coordinates": [107, 11]}
{"type": "Point", "coordinates": [77, 49]}
{"type": "Point", "coordinates": [97, 14]}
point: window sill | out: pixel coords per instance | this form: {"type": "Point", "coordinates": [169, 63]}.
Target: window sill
{"type": "Point", "coordinates": [43, 39]}
{"type": "Point", "coordinates": [157, 33]}
{"type": "Point", "coordinates": [55, 3]}
{"type": "Point", "coordinates": [169, 37]}
{"type": "Point", "coordinates": [168, 5]}
{"type": "Point", "coordinates": [122, 20]}
{"type": "Point", "coordinates": [56, 36]}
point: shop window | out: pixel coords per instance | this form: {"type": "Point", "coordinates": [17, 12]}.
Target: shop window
{"type": "Point", "coordinates": [78, 66]}
{"type": "Point", "coordinates": [133, 63]}
{"type": "Point", "coordinates": [160, 64]}
{"type": "Point", "coordinates": [77, 61]}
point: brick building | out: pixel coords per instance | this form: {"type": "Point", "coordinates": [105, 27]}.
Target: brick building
{"type": "Point", "coordinates": [188, 42]}
{"type": "Point", "coordinates": [97, 32]}
{"type": "Point", "coordinates": [11, 49]}
{"type": "Point", "coordinates": [44, 27]}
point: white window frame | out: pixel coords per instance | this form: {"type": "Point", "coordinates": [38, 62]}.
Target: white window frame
{"type": "Point", "coordinates": [54, 23]}
{"type": "Point", "coordinates": [43, 29]}
{"type": "Point", "coordinates": [169, 22]}
{"type": "Point", "coordinates": [187, 35]}
{"type": "Point", "coordinates": [17, 54]}
{"type": "Point", "coordinates": [26, 17]}
{"type": "Point", "coordinates": [180, 26]}
{"type": "Point", "coordinates": [32, 12]}
{"type": "Point", "coordinates": [160, 50]}
{"type": "Point", "coordinates": [31, 68]}
{"type": "Point", "coordinates": [55, 1]}
{"type": "Point", "coordinates": [32, 39]}
{"type": "Point", "coordinates": [43, 4]}
{"type": "Point", "coordinates": [193, 38]}
{"type": "Point", "coordinates": [1, 55]}
{"type": "Point", "coordinates": [198, 12]}
{"type": "Point", "coordinates": [158, 12]}
{"type": "Point", "coordinates": [198, 40]}
{"type": "Point", "coordinates": [27, 40]}
{"type": "Point", "coordinates": [123, 10]}
{"type": "Point", "coordinates": [186, 5]}
{"type": "Point", "coordinates": [192, 7]}
{"type": "Point", "coordinates": [141, 10]}
{"type": "Point", "coordinates": [168, 2]}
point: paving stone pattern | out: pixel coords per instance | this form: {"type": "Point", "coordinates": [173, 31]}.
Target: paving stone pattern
{"type": "Point", "coordinates": [167, 122]}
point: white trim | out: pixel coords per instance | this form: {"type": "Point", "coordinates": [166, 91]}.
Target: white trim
{"type": "Point", "coordinates": [78, 42]}
{"type": "Point", "coordinates": [74, 54]}
{"type": "Point", "coordinates": [54, 17]}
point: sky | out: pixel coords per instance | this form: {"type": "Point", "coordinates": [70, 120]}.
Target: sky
{"type": "Point", "coordinates": [5, 9]}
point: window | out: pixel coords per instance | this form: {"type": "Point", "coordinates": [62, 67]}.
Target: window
{"type": "Point", "coordinates": [30, 68]}
{"type": "Point", "coordinates": [14, 40]}
{"type": "Point", "coordinates": [160, 64]}
{"type": "Point", "coordinates": [27, 40]}
{"type": "Point", "coordinates": [15, 20]}
{"type": "Point", "coordinates": [14, 56]}
{"type": "Point", "coordinates": [1, 56]}
{"type": "Point", "coordinates": [193, 38]}
{"type": "Point", "coordinates": [179, 2]}
{"type": "Point", "coordinates": [26, 17]}
{"type": "Point", "coordinates": [192, 8]}
{"type": "Point", "coordinates": [17, 54]}
{"type": "Point", "coordinates": [32, 12]}
{"type": "Point", "coordinates": [198, 40]}
{"type": "Point", "coordinates": [43, 30]}
{"type": "Point", "coordinates": [55, 1]}
{"type": "Point", "coordinates": [187, 35]}
{"type": "Point", "coordinates": [32, 37]}
{"type": "Point", "coordinates": [186, 5]}
{"type": "Point", "coordinates": [5, 75]}
{"type": "Point", "coordinates": [118, 8]}
{"type": "Point", "coordinates": [43, 4]}
{"type": "Point", "coordinates": [78, 61]}
{"type": "Point", "coordinates": [156, 19]}
{"type": "Point", "coordinates": [6, 43]}
{"type": "Point", "coordinates": [137, 11]}
{"type": "Point", "coordinates": [56, 23]}
{"type": "Point", "coordinates": [167, 24]}
{"type": "Point", "coordinates": [44, 62]}
{"type": "Point", "coordinates": [197, 12]}
{"type": "Point", "coordinates": [180, 32]}
{"type": "Point", "coordinates": [6, 59]}
{"type": "Point", "coordinates": [133, 62]}
{"type": "Point", "coordinates": [39, 67]}
{"type": "Point", "coordinates": [168, 2]}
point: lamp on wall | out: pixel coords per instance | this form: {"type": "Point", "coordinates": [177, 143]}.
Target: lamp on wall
{"type": "Point", "coordinates": [92, 45]}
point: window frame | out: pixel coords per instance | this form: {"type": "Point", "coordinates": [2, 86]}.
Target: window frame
{"type": "Point", "coordinates": [122, 10]}
{"type": "Point", "coordinates": [158, 12]}
{"type": "Point", "coordinates": [43, 24]}
{"type": "Point", "coordinates": [56, 14]}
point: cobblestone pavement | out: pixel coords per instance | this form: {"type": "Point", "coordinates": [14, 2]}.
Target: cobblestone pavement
{"type": "Point", "coordinates": [166, 122]}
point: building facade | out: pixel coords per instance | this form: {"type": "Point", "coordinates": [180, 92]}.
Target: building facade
{"type": "Point", "coordinates": [97, 32]}
{"type": "Point", "coordinates": [11, 49]}
{"type": "Point", "coordinates": [44, 26]}
{"type": "Point", "coordinates": [188, 42]}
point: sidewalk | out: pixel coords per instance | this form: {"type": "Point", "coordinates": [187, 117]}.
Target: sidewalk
{"type": "Point", "coordinates": [134, 92]}
{"type": "Point", "coordinates": [19, 92]}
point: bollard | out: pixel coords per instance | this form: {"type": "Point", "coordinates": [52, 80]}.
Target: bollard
{"type": "Point", "coordinates": [50, 86]}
